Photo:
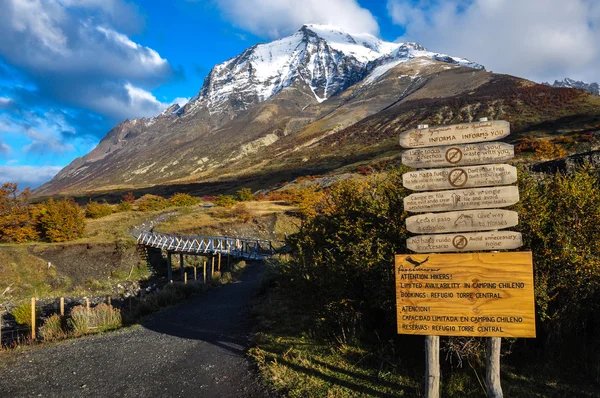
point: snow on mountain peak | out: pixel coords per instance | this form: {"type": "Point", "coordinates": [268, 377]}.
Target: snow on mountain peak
{"type": "Point", "coordinates": [325, 58]}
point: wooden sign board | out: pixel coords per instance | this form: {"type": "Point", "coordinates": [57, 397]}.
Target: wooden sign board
{"type": "Point", "coordinates": [455, 134]}
{"type": "Point", "coordinates": [462, 199]}
{"type": "Point", "coordinates": [466, 294]}
{"type": "Point", "coordinates": [460, 177]}
{"type": "Point", "coordinates": [465, 242]}
{"type": "Point", "coordinates": [462, 221]}
{"type": "Point", "coordinates": [458, 155]}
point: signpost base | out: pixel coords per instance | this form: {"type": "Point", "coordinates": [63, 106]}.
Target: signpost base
{"type": "Point", "coordinates": [492, 367]}
{"type": "Point", "coordinates": [432, 366]}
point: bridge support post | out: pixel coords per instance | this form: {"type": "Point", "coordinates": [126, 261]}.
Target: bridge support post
{"type": "Point", "coordinates": [169, 267]}
{"type": "Point", "coordinates": [181, 265]}
{"type": "Point", "coordinates": [219, 264]}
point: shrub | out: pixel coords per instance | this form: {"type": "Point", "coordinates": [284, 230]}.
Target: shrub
{"type": "Point", "coordinates": [124, 206]}
{"type": "Point", "coordinates": [241, 212]}
{"type": "Point", "coordinates": [225, 201]}
{"type": "Point", "coordinates": [208, 198]}
{"type": "Point", "coordinates": [152, 203]}
{"type": "Point", "coordinates": [98, 319]}
{"type": "Point", "coordinates": [61, 220]}
{"type": "Point", "coordinates": [22, 313]}
{"type": "Point", "coordinates": [244, 195]}
{"type": "Point", "coordinates": [183, 199]}
{"type": "Point", "coordinates": [17, 219]}
{"type": "Point", "coordinates": [52, 329]}
{"type": "Point", "coordinates": [98, 210]}
{"type": "Point", "coordinates": [129, 197]}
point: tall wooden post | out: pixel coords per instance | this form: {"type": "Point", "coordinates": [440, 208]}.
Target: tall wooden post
{"type": "Point", "coordinates": [195, 273]}
{"type": "Point", "coordinates": [62, 306]}
{"type": "Point", "coordinates": [432, 366]}
{"type": "Point", "coordinates": [87, 303]}
{"type": "Point", "coordinates": [169, 267]}
{"type": "Point", "coordinates": [219, 264]}
{"type": "Point", "coordinates": [492, 367]}
{"type": "Point", "coordinates": [185, 278]}
{"type": "Point", "coordinates": [181, 265]}
{"type": "Point", "coordinates": [204, 272]}
{"type": "Point", "coordinates": [109, 301]}
{"type": "Point", "coordinates": [212, 268]}
{"type": "Point", "coordinates": [33, 336]}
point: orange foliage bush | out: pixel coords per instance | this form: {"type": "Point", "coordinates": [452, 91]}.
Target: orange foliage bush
{"type": "Point", "coordinates": [17, 223]}
{"type": "Point", "coordinates": [61, 220]}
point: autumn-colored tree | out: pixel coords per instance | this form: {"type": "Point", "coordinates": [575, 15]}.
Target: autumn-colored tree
{"type": "Point", "coordinates": [61, 220]}
{"type": "Point", "coordinates": [244, 195]}
{"type": "Point", "coordinates": [129, 197]}
{"type": "Point", "coordinates": [152, 203]}
{"type": "Point", "coordinates": [17, 224]}
{"type": "Point", "coordinates": [98, 210]}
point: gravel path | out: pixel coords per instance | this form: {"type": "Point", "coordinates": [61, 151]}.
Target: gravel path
{"type": "Point", "coordinates": [193, 350]}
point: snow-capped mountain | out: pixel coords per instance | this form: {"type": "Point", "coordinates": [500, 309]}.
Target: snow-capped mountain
{"type": "Point", "coordinates": [570, 83]}
{"type": "Point", "coordinates": [325, 59]}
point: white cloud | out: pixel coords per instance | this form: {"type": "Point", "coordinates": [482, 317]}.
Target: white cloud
{"type": "Point", "coordinates": [28, 176]}
{"type": "Point", "coordinates": [5, 150]}
{"type": "Point", "coordinates": [276, 18]}
{"type": "Point", "coordinates": [78, 58]}
{"type": "Point", "coordinates": [536, 39]}
{"type": "Point", "coordinates": [181, 101]}
{"type": "Point", "coordinates": [5, 102]}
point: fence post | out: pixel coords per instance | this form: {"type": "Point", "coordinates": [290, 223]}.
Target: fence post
{"type": "Point", "coordinates": [185, 278]}
{"type": "Point", "coordinates": [204, 272]}
{"type": "Point", "coordinates": [62, 306]}
{"type": "Point", "coordinates": [195, 279]}
{"type": "Point", "coordinates": [219, 264]}
{"type": "Point", "coordinates": [87, 303]}
{"type": "Point", "coordinates": [212, 269]}
{"type": "Point", "coordinates": [181, 266]}
{"type": "Point", "coordinates": [109, 301]}
{"type": "Point", "coordinates": [33, 318]}
{"type": "Point", "coordinates": [169, 268]}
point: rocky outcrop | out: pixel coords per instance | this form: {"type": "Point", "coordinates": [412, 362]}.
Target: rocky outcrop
{"type": "Point", "coordinates": [569, 163]}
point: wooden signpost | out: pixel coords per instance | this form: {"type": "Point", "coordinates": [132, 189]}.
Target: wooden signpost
{"type": "Point", "coordinates": [458, 155]}
{"type": "Point", "coordinates": [464, 242]}
{"type": "Point", "coordinates": [462, 221]}
{"type": "Point", "coordinates": [476, 294]}
{"type": "Point", "coordinates": [465, 294]}
{"type": "Point", "coordinates": [455, 134]}
{"type": "Point", "coordinates": [462, 199]}
{"type": "Point", "coordinates": [460, 177]}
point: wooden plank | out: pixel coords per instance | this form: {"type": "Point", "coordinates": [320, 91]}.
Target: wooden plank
{"type": "Point", "coordinates": [455, 134]}
{"type": "Point", "coordinates": [462, 221]}
{"type": "Point", "coordinates": [462, 199]}
{"type": "Point", "coordinates": [458, 155]}
{"type": "Point", "coordinates": [465, 242]}
{"type": "Point", "coordinates": [460, 177]}
{"type": "Point", "coordinates": [467, 294]}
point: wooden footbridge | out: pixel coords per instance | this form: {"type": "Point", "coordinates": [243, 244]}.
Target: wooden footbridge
{"type": "Point", "coordinates": [208, 246]}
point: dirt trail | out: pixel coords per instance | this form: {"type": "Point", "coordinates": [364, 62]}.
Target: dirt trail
{"type": "Point", "coordinates": [193, 350]}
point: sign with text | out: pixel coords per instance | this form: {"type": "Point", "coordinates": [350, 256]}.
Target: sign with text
{"type": "Point", "coordinates": [462, 221]}
{"type": "Point", "coordinates": [465, 242]}
{"type": "Point", "coordinates": [458, 155]}
{"type": "Point", "coordinates": [455, 134]}
{"type": "Point", "coordinates": [466, 294]}
{"type": "Point", "coordinates": [460, 177]}
{"type": "Point", "coordinates": [462, 199]}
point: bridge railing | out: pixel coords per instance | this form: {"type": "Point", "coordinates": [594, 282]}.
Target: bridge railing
{"type": "Point", "coordinates": [238, 247]}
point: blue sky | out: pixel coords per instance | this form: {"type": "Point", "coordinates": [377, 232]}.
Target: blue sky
{"type": "Point", "coordinates": [70, 70]}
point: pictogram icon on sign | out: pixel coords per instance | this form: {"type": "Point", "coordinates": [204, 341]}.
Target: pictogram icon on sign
{"type": "Point", "coordinates": [454, 155]}
{"type": "Point", "coordinates": [460, 242]}
{"type": "Point", "coordinates": [457, 178]}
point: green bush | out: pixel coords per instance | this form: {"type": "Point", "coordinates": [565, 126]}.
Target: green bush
{"type": "Point", "coordinates": [98, 210]}
{"type": "Point", "coordinates": [61, 220]}
{"type": "Point", "coordinates": [225, 201]}
{"type": "Point", "coordinates": [152, 203]}
{"type": "Point", "coordinates": [124, 206]}
{"type": "Point", "coordinates": [183, 199]}
{"type": "Point", "coordinates": [52, 329]}
{"type": "Point", "coordinates": [22, 313]}
{"type": "Point", "coordinates": [98, 319]}
{"type": "Point", "coordinates": [244, 195]}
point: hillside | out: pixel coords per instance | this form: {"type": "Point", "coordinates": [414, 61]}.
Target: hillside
{"type": "Point", "coordinates": [312, 103]}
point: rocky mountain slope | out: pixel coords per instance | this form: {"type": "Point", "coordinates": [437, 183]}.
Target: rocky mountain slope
{"type": "Point", "coordinates": [317, 101]}
{"type": "Point", "coordinates": [570, 83]}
